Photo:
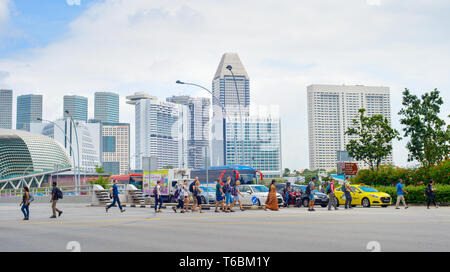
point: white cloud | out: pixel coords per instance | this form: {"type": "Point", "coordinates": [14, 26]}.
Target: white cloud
{"type": "Point", "coordinates": [374, 2]}
{"type": "Point", "coordinates": [73, 2]}
{"type": "Point", "coordinates": [4, 13]}
{"type": "Point", "coordinates": [140, 45]}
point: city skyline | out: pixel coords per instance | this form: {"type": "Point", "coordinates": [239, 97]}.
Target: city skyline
{"type": "Point", "coordinates": [282, 60]}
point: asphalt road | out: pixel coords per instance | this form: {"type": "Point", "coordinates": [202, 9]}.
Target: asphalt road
{"type": "Point", "coordinates": [293, 229]}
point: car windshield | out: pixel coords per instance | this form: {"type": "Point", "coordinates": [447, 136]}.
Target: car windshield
{"type": "Point", "coordinates": [368, 189]}
{"type": "Point", "coordinates": [260, 189]}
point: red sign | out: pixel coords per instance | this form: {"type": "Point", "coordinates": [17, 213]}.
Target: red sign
{"type": "Point", "coordinates": [351, 169]}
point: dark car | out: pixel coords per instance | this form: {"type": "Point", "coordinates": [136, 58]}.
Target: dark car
{"type": "Point", "coordinates": [320, 198]}
{"type": "Point", "coordinates": [295, 195]}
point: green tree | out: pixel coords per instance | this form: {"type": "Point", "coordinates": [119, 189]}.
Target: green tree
{"type": "Point", "coordinates": [374, 139]}
{"type": "Point", "coordinates": [429, 140]}
{"type": "Point", "coordinates": [286, 172]}
{"type": "Point", "coordinates": [101, 179]}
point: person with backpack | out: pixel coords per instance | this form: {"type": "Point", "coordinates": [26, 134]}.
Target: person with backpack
{"type": "Point", "coordinates": [331, 197]}
{"type": "Point", "coordinates": [197, 196]}
{"type": "Point", "coordinates": [26, 200]}
{"type": "Point", "coordinates": [287, 192]}
{"type": "Point", "coordinates": [429, 193]}
{"type": "Point", "coordinates": [219, 196]}
{"type": "Point", "coordinates": [310, 193]}
{"type": "Point", "coordinates": [56, 195]}
{"type": "Point", "coordinates": [158, 197]}
{"type": "Point", "coordinates": [347, 192]}
{"type": "Point", "coordinates": [179, 196]}
{"type": "Point", "coordinates": [236, 195]}
{"type": "Point", "coordinates": [114, 192]}
{"type": "Point", "coordinates": [193, 193]}
{"type": "Point", "coordinates": [401, 195]}
{"type": "Point", "coordinates": [186, 196]}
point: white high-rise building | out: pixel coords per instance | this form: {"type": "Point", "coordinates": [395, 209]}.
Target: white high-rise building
{"type": "Point", "coordinates": [89, 140]}
{"type": "Point", "coordinates": [116, 147]}
{"type": "Point", "coordinates": [161, 131]}
{"type": "Point", "coordinates": [197, 128]}
{"type": "Point", "coordinates": [331, 110]}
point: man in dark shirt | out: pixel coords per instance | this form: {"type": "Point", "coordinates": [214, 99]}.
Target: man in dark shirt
{"type": "Point", "coordinates": [115, 195]}
{"type": "Point", "coordinates": [54, 200]}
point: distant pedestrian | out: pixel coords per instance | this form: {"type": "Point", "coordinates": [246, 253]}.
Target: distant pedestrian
{"type": "Point", "coordinates": [347, 192]}
{"type": "Point", "coordinates": [332, 200]}
{"type": "Point", "coordinates": [287, 192]}
{"type": "Point", "coordinates": [227, 191]}
{"type": "Point", "coordinates": [272, 200]}
{"type": "Point", "coordinates": [114, 191]}
{"type": "Point", "coordinates": [158, 197]}
{"type": "Point", "coordinates": [179, 196]}
{"type": "Point", "coordinates": [56, 195]}
{"type": "Point", "coordinates": [236, 195]}
{"type": "Point", "coordinates": [197, 196]}
{"type": "Point", "coordinates": [186, 196]}
{"type": "Point", "coordinates": [25, 203]}
{"type": "Point", "coordinates": [310, 192]}
{"type": "Point", "coordinates": [401, 194]}
{"type": "Point", "coordinates": [429, 193]}
{"type": "Point", "coordinates": [219, 196]}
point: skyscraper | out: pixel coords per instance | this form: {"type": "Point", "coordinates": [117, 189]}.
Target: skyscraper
{"type": "Point", "coordinates": [161, 131]}
{"type": "Point", "coordinates": [331, 109]}
{"type": "Point", "coordinates": [29, 109]}
{"type": "Point", "coordinates": [233, 93]}
{"type": "Point", "coordinates": [116, 148]}
{"type": "Point", "coordinates": [197, 128]}
{"type": "Point", "coordinates": [6, 104]}
{"type": "Point", "coordinates": [106, 108]}
{"type": "Point", "coordinates": [77, 106]}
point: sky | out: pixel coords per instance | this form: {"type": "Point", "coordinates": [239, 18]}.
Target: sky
{"type": "Point", "coordinates": [60, 47]}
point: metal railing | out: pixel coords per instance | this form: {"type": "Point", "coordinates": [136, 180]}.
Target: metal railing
{"type": "Point", "coordinates": [47, 191]}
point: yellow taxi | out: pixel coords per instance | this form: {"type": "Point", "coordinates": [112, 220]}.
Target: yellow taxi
{"type": "Point", "coordinates": [365, 196]}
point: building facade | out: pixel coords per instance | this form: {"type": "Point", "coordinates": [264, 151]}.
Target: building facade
{"type": "Point", "coordinates": [197, 128]}
{"type": "Point", "coordinates": [29, 110]}
{"type": "Point", "coordinates": [106, 108]}
{"type": "Point", "coordinates": [76, 106]}
{"type": "Point", "coordinates": [6, 105]}
{"type": "Point", "coordinates": [116, 148]}
{"type": "Point", "coordinates": [161, 132]}
{"type": "Point", "coordinates": [331, 110]}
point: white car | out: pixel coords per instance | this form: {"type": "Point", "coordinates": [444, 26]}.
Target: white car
{"type": "Point", "coordinates": [254, 194]}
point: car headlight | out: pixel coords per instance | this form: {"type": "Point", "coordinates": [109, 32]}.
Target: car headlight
{"type": "Point", "coordinates": [316, 197]}
{"type": "Point", "coordinates": [375, 196]}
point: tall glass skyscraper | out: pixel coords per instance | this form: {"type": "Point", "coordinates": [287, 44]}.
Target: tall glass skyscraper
{"type": "Point", "coordinates": [6, 104]}
{"type": "Point", "coordinates": [197, 128]}
{"type": "Point", "coordinates": [106, 108]}
{"type": "Point", "coordinates": [77, 107]}
{"type": "Point", "coordinates": [29, 109]}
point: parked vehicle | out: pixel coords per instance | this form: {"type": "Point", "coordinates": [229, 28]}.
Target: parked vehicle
{"type": "Point", "coordinates": [320, 198]}
{"type": "Point", "coordinates": [169, 179]}
{"type": "Point", "coordinates": [208, 193]}
{"type": "Point", "coordinates": [365, 196]}
{"type": "Point", "coordinates": [295, 196]}
{"type": "Point", "coordinates": [258, 192]}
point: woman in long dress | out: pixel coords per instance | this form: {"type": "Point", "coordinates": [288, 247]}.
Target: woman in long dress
{"type": "Point", "coordinates": [272, 201]}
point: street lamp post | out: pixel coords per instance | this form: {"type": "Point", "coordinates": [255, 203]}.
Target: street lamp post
{"type": "Point", "coordinates": [78, 148]}
{"type": "Point", "coordinates": [65, 140]}
{"type": "Point", "coordinates": [230, 68]}
{"type": "Point", "coordinates": [212, 103]}
{"type": "Point", "coordinates": [23, 176]}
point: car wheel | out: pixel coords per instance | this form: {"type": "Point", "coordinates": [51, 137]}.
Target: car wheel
{"type": "Point", "coordinates": [337, 202]}
{"type": "Point", "coordinates": [203, 199]}
{"type": "Point", "coordinates": [365, 202]}
{"type": "Point", "coordinates": [384, 206]}
{"type": "Point", "coordinates": [324, 205]}
{"type": "Point", "coordinates": [259, 203]}
{"type": "Point", "coordinates": [305, 202]}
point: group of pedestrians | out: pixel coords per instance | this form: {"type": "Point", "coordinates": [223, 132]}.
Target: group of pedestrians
{"type": "Point", "coordinates": [428, 193]}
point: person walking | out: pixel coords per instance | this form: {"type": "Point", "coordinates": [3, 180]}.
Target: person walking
{"type": "Point", "coordinates": [25, 203]}
{"type": "Point", "coordinates": [158, 197]}
{"type": "Point", "coordinates": [347, 192]}
{"type": "Point", "coordinates": [219, 196]}
{"type": "Point", "coordinates": [429, 193]}
{"type": "Point", "coordinates": [179, 195]}
{"type": "Point", "coordinates": [197, 196]}
{"type": "Point", "coordinates": [332, 201]}
{"type": "Point", "coordinates": [310, 192]}
{"type": "Point", "coordinates": [114, 191]}
{"type": "Point", "coordinates": [287, 192]}
{"type": "Point", "coordinates": [236, 195]}
{"type": "Point", "coordinates": [186, 196]}
{"type": "Point", "coordinates": [401, 194]}
{"type": "Point", "coordinates": [227, 191]}
{"type": "Point", "coordinates": [56, 195]}
{"type": "Point", "coordinates": [272, 201]}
